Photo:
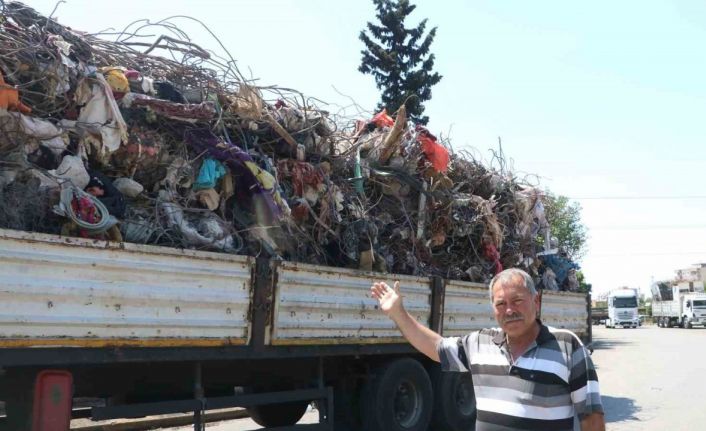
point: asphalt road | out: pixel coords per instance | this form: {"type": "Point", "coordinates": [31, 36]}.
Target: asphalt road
{"type": "Point", "coordinates": [651, 379]}
{"type": "Point", "coordinates": [311, 417]}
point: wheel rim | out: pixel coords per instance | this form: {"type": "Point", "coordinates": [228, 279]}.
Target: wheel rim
{"type": "Point", "coordinates": [407, 404]}
{"type": "Point", "coordinates": [463, 397]}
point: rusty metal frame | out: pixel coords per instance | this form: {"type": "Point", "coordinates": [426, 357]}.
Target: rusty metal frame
{"type": "Point", "coordinates": [263, 290]}
{"type": "Point", "coordinates": [246, 400]}
{"type": "Point", "coordinates": [438, 294]}
{"type": "Point", "coordinates": [589, 321]}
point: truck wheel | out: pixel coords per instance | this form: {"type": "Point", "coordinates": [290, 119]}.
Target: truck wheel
{"type": "Point", "coordinates": [454, 401]}
{"type": "Point", "coordinates": [278, 415]}
{"type": "Point", "coordinates": [397, 397]}
{"type": "Point", "coordinates": [687, 324]}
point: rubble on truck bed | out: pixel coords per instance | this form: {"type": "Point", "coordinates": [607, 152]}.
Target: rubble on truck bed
{"type": "Point", "coordinates": [188, 153]}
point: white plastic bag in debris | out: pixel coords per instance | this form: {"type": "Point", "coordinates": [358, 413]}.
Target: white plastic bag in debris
{"type": "Point", "coordinates": [205, 232]}
{"type": "Point", "coordinates": [50, 136]}
{"type": "Point", "coordinates": [72, 169]}
{"type": "Point", "coordinates": [532, 218]}
{"type": "Point", "coordinates": [128, 187]}
{"type": "Point", "coordinates": [100, 113]}
{"type": "Point", "coordinates": [549, 280]}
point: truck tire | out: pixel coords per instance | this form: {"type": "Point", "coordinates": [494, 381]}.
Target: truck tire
{"type": "Point", "coordinates": [278, 415]}
{"type": "Point", "coordinates": [454, 401]}
{"type": "Point", "coordinates": [398, 396]}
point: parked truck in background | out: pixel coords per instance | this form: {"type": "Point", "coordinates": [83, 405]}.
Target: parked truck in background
{"type": "Point", "coordinates": [623, 308]}
{"type": "Point", "coordinates": [154, 330]}
{"type": "Point", "coordinates": [681, 304]}
{"type": "Point", "coordinates": [599, 313]}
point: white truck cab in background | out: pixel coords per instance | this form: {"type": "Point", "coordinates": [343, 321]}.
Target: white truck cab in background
{"type": "Point", "coordinates": [694, 312]}
{"type": "Point", "coordinates": [622, 308]}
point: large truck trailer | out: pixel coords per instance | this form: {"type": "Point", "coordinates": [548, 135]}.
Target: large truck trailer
{"type": "Point", "coordinates": [153, 330]}
{"type": "Point", "coordinates": [681, 304]}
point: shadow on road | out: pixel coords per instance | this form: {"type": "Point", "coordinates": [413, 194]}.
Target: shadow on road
{"type": "Point", "coordinates": [619, 409]}
{"type": "Point", "coordinates": [605, 344]}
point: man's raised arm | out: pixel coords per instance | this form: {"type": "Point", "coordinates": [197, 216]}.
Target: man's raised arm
{"type": "Point", "coordinates": [422, 338]}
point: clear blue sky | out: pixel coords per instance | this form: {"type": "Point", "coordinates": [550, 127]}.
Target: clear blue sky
{"type": "Point", "coordinates": [600, 99]}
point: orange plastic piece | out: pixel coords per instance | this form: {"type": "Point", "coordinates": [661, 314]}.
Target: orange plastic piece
{"type": "Point", "coordinates": [382, 119]}
{"type": "Point", "coordinates": [10, 98]}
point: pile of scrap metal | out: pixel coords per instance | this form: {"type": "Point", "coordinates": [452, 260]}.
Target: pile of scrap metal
{"type": "Point", "coordinates": [101, 140]}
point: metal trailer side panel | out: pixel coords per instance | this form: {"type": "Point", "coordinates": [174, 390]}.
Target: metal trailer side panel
{"type": "Point", "coordinates": [73, 292]}
{"type": "Point", "coordinates": [324, 305]}
{"type": "Point", "coordinates": [565, 310]}
{"type": "Point", "coordinates": [466, 308]}
{"type": "Point", "coordinates": [665, 309]}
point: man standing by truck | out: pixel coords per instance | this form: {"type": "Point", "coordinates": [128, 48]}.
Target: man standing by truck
{"type": "Point", "coordinates": [526, 376]}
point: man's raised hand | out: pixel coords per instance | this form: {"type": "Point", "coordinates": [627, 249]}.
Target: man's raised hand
{"type": "Point", "coordinates": [390, 299]}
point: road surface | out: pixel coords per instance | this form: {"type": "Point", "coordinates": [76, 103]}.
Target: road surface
{"type": "Point", "coordinates": [652, 378]}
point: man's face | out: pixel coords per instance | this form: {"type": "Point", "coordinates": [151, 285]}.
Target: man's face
{"type": "Point", "coordinates": [514, 308]}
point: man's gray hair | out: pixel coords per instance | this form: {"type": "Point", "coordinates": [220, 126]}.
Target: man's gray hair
{"type": "Point", "coordinates": [508, 275]}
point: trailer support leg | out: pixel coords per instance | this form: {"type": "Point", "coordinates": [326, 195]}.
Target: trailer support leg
{"type": "Point", "coordinates": [325, 409]}
{"type": "Point", "coordinates": [199, 395]}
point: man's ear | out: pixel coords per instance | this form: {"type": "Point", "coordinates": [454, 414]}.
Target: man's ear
{"type": "Point", "coordinates": [537, 303]}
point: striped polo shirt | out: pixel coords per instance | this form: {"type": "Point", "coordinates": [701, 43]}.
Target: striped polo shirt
{"type": "Point", "coordinates": [542, 390]}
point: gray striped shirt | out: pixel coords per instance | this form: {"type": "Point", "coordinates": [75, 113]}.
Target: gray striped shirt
{"type": "Point", "coordinates": [542, 390]}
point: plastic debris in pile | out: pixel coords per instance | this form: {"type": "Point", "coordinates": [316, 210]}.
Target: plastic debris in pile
{"type": "Point", "coordinates": [205, 160]}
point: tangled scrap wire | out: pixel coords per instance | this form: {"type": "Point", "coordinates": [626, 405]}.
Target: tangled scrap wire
{"type": "Point", "coordinates": [292, 180]}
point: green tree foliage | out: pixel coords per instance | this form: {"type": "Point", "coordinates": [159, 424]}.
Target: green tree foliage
{"type": "Point", "coordinates": [565, 224]}
{"type": "Point", "coordinates": [583, 286]}
{"type": "Point", "coordinates": [398, 58]}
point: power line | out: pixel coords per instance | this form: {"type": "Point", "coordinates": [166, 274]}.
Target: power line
{"type": "Point", "coordinates": [608, 198]}
{"type": "Point", "coordinates": [649, 227]}
{"type": "Point", "coordinates": [685, 253]}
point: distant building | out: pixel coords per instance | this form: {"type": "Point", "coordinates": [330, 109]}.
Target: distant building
{"type": "Point", "coordinates": [696, 272]}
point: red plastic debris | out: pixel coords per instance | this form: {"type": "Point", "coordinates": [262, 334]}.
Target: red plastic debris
{"type": "Point", "coordinates": [491, 253]}
{"type": "Point", "coordinates": [382, 119]}
{"type": "Point", "coordinates": [435, 152]}
{"type": "Point", "coordinates": [53, 395]}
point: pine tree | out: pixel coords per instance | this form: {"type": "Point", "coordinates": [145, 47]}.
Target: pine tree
{"type": "Point", "coordinates": [400, 63]}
